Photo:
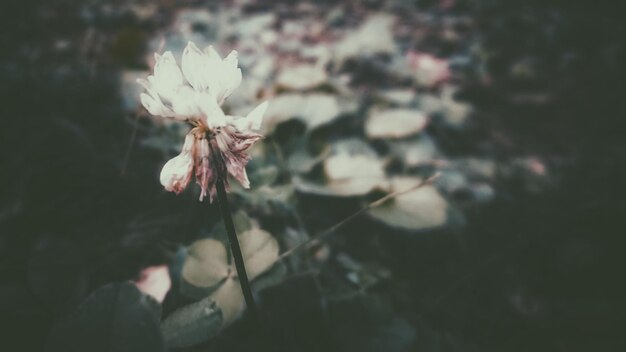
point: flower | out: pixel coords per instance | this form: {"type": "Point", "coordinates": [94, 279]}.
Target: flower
{"type": "Point", "coordinates": [218, 143]}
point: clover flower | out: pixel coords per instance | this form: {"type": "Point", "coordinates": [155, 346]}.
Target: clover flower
{"type": "Point", "coordinates": [217, 143]}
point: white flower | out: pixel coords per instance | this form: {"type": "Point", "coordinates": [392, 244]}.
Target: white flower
{"type": "Point", "coordinates": [217, 143]}
{"type": "Point", "coordinates": [195, 96]}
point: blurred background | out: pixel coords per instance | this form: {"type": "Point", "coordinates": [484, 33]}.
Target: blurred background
{"type": "Point", "coordinates": [515, 107]}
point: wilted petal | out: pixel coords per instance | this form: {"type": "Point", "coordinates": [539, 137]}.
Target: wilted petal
{"type": "Point", "coordinates": [233, 146]}
{"type": "Point", "coordinates": [206, 176]}
{"type": "Point", "coordinates": [177, 172]}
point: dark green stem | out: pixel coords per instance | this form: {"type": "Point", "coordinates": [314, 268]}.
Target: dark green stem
{"type": "Point", "coordinates": [235, 248]}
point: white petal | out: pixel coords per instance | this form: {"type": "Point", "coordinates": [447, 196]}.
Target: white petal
{"type": "Point", "coordinates": [255, 117]}
{"type": "Point", "coordinates": [185, 103]}
{"type": "Point", "coordinates": [167, 76]}
{"type": "Point", "coordinates": [223, 76]}
{"type": "Point", "coordinates": [231, 60]}
{"type": "Point", "coordinates": [210, 108]}
{"type": "Point", "coordinates": [194, 66]}
{"type": "Point", "coordinates": [155, 106]}
{"type": "Point", "coordinates": [177, 172]}
{"type": "Point", "coordinates": [212, 53]}
{"type": "Point", "coordinates": [230, 80]}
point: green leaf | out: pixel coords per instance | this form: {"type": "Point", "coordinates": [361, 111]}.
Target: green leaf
{"type": "Point", "coordinates": [229, 298]}
{"type": "Point", "coordinates": [394, 123]}
{"type": "Point", "coordinates": [205, 267]}
{"type": "Point", "coordinates": [420, 209]}
{"type": "Point", "coordinates": [192, 324]}
{"type": "Point", "coordinates": [208, 271]}
{"type": "Point", "coordinates": [260, 251]}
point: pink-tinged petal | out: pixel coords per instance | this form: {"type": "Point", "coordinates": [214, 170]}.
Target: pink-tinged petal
{"type": "Point", "coordinates": [428, 70]}
{"type": "Point", "coordinates": [177, 172]}
{"type": "Point", "coordinates": [233, 146]}
{"type": "Point", "coordinates": [206, 175]}
{"type": "Point", "coordinates": [155, 281]}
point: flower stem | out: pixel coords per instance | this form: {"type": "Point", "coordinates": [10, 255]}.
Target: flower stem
{"type": "Point", "coordinates": [235, 248]}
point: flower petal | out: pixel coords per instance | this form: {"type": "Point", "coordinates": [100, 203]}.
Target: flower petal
{"type": "Point", "coordinates": [185, 103]}
{"type": "Point", "coordinates": [214, 115]}
{"type": "Point", "coordinates": [177, 172]}
{"type": "Point", "coordinates": [194, 65]}
{"type": "Point", "coordinates": [255, 117]}
{"type": "Point", "coordinates": [155, 106]}
{"type": "Point", "coordinates": [252, 121]}
{"type": "Point", "coordinates": [223, 76]}
{"type": "Point", "coordinates": [167, 76]}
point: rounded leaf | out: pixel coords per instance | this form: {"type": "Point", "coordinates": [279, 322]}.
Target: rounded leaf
{"type": "Point", "coordinates": [192, 324]}
{"type": "Point", "coordinates": [229, 298]}
{"type": "Point", "coordinates": [395, 123]}
{"type": "Point", "coordinates": [205, 267]}
{"type": "Point", "coordinates": [422, 208]}
{"type": "Point", "coordinates": [260, 251]}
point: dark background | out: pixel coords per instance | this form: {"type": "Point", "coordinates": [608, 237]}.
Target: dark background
{"type": "Point", "coordinates": [530, 271]}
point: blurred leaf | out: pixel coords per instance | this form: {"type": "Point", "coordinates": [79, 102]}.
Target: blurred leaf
{"type": "Point", "coordinates": [206, 267]}
{"type": "Point", "coordinates": [229, 298]}
{"type": "Point", "coordinates": [428, 70]}
{"type": "Point", "coordinates": [209, 271]}
{"type": "Point", "coordinates": [271, 277]}
{"type": "Point", "coordinates": [302, 77]}
{"type": "Point", "coordinates": [420, 209]}
{"type": "Point", "coordinates": [301, 161]}
{"type": "Point", "coordinates": [352, 170]}
{"type": "Point", "coordinates": [116, 317]}
{"type": "Point", "coordinates": [260, 251]}
{"type": "Point", "coordinates": [394, 123]}
{"type": "Point", "coordinates": [192, 324]}
{"type": "Point", "coordinates": [415, 151]}
{"type": "Point", "coordinates": [313, 109]}
{"type": "Point", "coordinates": [401, 97]}
{"type": "Point", "coordinates": [374, 36]}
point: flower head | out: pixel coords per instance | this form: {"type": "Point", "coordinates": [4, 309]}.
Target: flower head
{"type": "Point", "coordinates": [218, 143]}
